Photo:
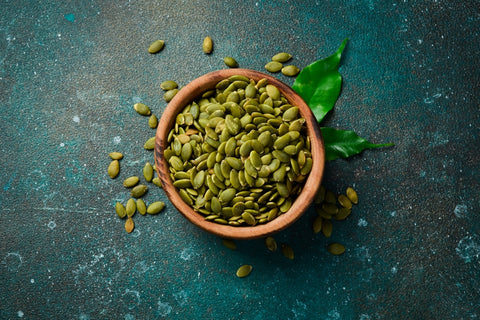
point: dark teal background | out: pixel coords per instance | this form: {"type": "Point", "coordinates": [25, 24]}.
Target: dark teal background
{"type": "Point", "coordinates": [70, 72]}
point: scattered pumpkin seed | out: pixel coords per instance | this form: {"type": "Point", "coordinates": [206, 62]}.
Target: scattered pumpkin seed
{"type": "Point", "coordinates": [150, 144]}
{"type": "Point", "coordinates": [271, 244]}
{"type": "Point", "coordinates": [148, 172]}
{"type": "Point", "coordinates": [244, 270]}
{"type": "Point", "coordinates": [116, 155]}
{"type": "Point", "coordinates": [155, 207]}
{"type": "Point", "coordinates": [142, 109]}
{"type": "Point", "coordinates": [139, 191]}
{"type": "Point", "coordinates": [327, 228]}
{"type": "Point", "coordinates": [287, 251]}
{"type": "Point", "coordinates": [153, 121]}
{"type": "Point", "coordinates": [129, 225]}
{"type": "Point", "coordinates": [352, 195]}
{"type": "Point", "coordinates": [290, 71]}
{"type": "Point", "coordinates": [168, 85]}
{"type": "Point", "coordinates": [168, 96]}
{"type": "Point", "coordinates": [114, 169]}
{"type": "Point", "coordinates": [130, 208]}
{"type": "Point", "coordinates": [344, 201]}
{"type": "Point", "coordinates": [141, 207]}
{"type": "Point", "coordinates": [274, 66]}
{"type": "Point", "coordinates": [282, 57]}
{"type": "Point", "coordinates": [207, 45]}
{"type": "Point", "coordinates": [120, 209]}
{"type": "Point", "coordinates": [156, 46]}
{"type": "Point", "coordinates": [131, 182]}
{"type": "Point", "coordinates": [156, 181]}
{"type": "Point", "coordinates": [317, 224]}
{"type": "Point", "coordinates": [336, 248]}
{"type": "Point", "coordinates": [230, 62]}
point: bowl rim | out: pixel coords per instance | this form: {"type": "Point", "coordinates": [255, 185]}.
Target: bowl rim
{"type": "Point", "coordinates": [194, 90]}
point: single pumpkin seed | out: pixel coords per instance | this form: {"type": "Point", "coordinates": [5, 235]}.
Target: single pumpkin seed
{"type": "Point", "coordinates": [150, 144]}
{"type": "Point", "coordinates": [155, 207]}
{"type": "Point", "coordinates": [114, 169]}
{"type": "Point", "coordinates": [168, 85]}
{"type": "Point", "coordinates": [230, 62]}
{"type": "Point", "coordinates": [129, 225]}
{"type": "Point", "coordinates": [274, 66]}
{"type": "Point", "coordinates": [336, 248]}
{"type": "Point", "coordinates": [327, 228]}
{"type": "Point", "coordinates": [352, 195]}
{"type": "Point", "coordinates": [156, 46]}
{"type": "Point", "coordinates": [120, 209]}
{"type": "Point", "coordinates": [282, 57]}
{"type": "Point", "coordinates": [156, 181]}
{"type": "Point", "coordinates": [207, 45]}
{"type": "Point", "coordinates": [168, 96]}
{"type": "Point", "coordinates": [317, 224]}
{"type": "Point", "coordinates": [142, 109]}
{"type": "Point", "coordinates": [344, 201]}
{"type": "Point", "coordinates": [153, 121]}
{"type": "Point", "coordinates": [131, 181]}
{"type": "Point", "coordinates": [116, 155]}
{"type": "Point", "coordinates": [249, 218]}
{"type": "Point", "coordinates": [139, 191]}
{"type": "Point", "coordinates": [131, 207]}
{"type": "Point", "coordinates": [141, 207]}
{"type": "Point", "coordinates": [287, 251]}
{"type": "Point", "coordinates": [148, 172]}
{"type": "Point", "coordinates": [290, 71]}
{"type": "Point", "coordinates": [342, 214]}
{"type": "Point", "coordinates": [244, 270]}
{"type": "Point", "coordinates": [271, 244]}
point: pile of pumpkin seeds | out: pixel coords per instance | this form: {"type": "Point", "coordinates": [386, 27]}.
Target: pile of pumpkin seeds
{"type": "Point", "coordinates": [240, 154]}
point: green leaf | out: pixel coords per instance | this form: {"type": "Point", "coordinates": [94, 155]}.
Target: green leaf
{"type": "Point", "coordinates": [319, 83]}
{"type": "Point", "coordinates": [344, 144]}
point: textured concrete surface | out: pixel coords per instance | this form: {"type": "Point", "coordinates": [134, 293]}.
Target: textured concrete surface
{"type": "Point", "coordinates": [70, 72]}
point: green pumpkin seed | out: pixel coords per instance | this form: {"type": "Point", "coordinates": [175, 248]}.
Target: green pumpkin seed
{"type": "Point", "coordinates": [317, 224]}
{"type": "Point", "coordinates": [148, 172]}
{"type": "Point", "coordinates": [271, 244]}
{"type": "Point", "coordinates": [244, 271]}
{"type": "Point", "coordinates": [230, 244]}
{"type": "Point", "coordinates": [207, 45]}
{"type": "Point", "coordinates": [344, 201]}
{"type": "Point", "coordinates": [273, 92]}
{"type": "Point", "coordinates": [155, 207]}
{"type": "Point", "coordinates": [249, 218]}
{"type": "Point", "coordinates": [274, 66]}
{"type": "Point", "coordinates": [336, 248]}
{"type": "Point", "coordinates": [129, 225]}
{"type": "Point", "coordinates": [290, 71]}
{"type": "Point", "coordinates": [287, 251]}
{"type": "Point", "coordinates": [327, 228]}
{"type": "Point", "coordinates": [139, 191]}
{"type": "Point", "coordinates": [291, 114]}
{"type": "Point", "coordinates": [168, 85]}
{"type": "Point", "coordinates": [153, 121]}
{"type": "Point", "coordinates": [342, 214]}
{"type": "Point", "coordinates": [141, 207]}
{"type": "Point", "coordinates": [130, 208]}
{"type": "Point", "coordinates": [120, 209]}
{"type": "Point", "coordinates": [168, 96]}
{"type": "Point", "coordinates": [131, 181]}
{"type": "Point", "coordinates": [142, 109]}
{"type": "Point", "coordinates": [115, 155]}
{"type": "Point", "coordinates": [156, 181]}
{"type": "Point", "coordinates": [352, 195]}
{"type": "Point", "coordinates": [282, 57]}
{"type": "Point", "coordinates": [113, 169]}
{"type": "Point", "coordinates": [230, 62]}
{"type": "Point", "coordinates": [156, 46]}
{"type": "Point", "coordinates": [150, 144]}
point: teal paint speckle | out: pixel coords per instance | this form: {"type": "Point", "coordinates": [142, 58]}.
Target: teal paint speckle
{"type": "Point", "coordinates": [70, 17]}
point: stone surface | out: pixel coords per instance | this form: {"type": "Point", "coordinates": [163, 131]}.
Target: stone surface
{"type": "Point", "coordinates": [70, 73]}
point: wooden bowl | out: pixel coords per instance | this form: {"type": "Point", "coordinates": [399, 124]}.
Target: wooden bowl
{"type": "Point", "coordinates": [191, 92]}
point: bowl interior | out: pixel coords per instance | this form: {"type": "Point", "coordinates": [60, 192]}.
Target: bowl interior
{"type": "Point", "coordinates": [191, 92]}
